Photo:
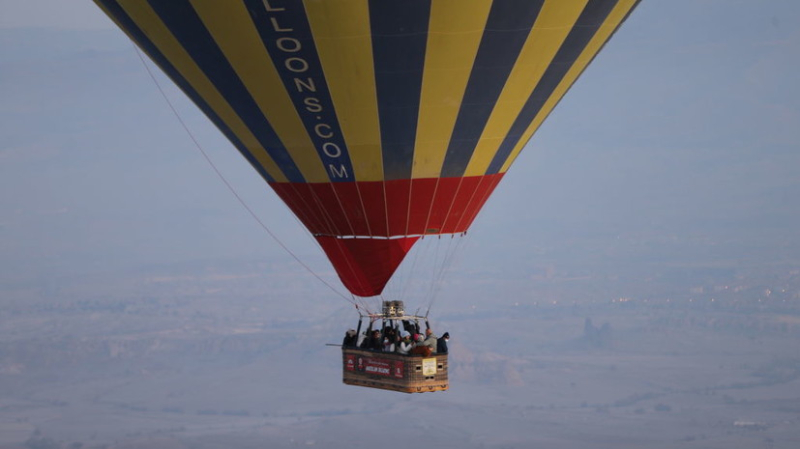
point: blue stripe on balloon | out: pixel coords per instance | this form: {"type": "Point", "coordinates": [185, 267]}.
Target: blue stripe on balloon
{"type": "Point", "coordinates": [286, 34]}
{"type": "Point", "coordinates": [590, 20]}
{"type": "Point", "coordinates": [399, 37]}
{"type": "Point", "coordinates": [507, 28]}
{"type": "Point", "coordinates": [147, 45]}
{"type": "Point", "coordinates": [187, 27]}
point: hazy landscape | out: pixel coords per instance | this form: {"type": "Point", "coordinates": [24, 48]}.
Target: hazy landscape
{"type": "Point", "coordinates": [201, 357]}
{"type": "Point", "coordinates": [633, 282]}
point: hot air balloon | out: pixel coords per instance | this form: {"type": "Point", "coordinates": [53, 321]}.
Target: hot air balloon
{"type": "Point", "coordinates": [377, 122]}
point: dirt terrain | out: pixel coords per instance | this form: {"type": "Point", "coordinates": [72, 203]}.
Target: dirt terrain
{"type": "Point", "coordinates": [202, 361]}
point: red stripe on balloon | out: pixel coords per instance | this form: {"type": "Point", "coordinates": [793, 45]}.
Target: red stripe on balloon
{"type": "Point", "coordinates": [418, 207]}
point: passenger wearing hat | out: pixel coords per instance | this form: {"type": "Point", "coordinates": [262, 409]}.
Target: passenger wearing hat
{"type": "Point", "coordinates": [441, 343]}
{"type": "Point", "coordinates": [405, 344]}
{"type": "Point", "coordinates": [350, 338]}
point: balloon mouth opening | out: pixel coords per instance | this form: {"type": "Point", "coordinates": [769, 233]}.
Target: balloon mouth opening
{"type": "Point", "coordinates": [365, 265]}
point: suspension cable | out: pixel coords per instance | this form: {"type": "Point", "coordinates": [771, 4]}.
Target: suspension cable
{"type": "Point", "coordinates": [451, 257]}
{"type": "Point", "coordinates": [231, 188]}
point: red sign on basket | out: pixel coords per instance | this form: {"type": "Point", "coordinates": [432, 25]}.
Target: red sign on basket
{"type": "Point", "coordinates": [350, 362]}
{"type": "Point", "coordinates": [381, 367]}
{"type": "Point", "coordinates": [398, 369]}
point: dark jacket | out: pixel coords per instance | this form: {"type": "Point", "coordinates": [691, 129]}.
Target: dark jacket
{"type": "Point", "coordinates": [373, 342]}
{"type": "Point", "coordinates": [350, 339]}
{"type": "Point", "coordinates": [441, 346]}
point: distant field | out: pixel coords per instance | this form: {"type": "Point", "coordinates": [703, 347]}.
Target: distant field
{"type": "Point", "coordinates": [205, 371]}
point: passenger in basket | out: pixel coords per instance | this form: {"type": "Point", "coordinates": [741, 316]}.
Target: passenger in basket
{"type": "Point", "coordinates": [350, 338]}
{"type": "Point", "coordinates": [391, 334]}
{"type": "Point", "coordinates": [420, 348]}
{"type": "Point", "coordinates": [441, 343]}
{"type": "Point", "coordinates": [405, 344]}
{"type": "Point", "coordinates": [377, 341]}
{"type": "Point", "coordinates": [388, 345]}
{"type": "Point", "coordinates": [430, 340]}
{"type": "Point", "coordinates": [373, 342]}
{"type": "Point", "coordinates": [365, 341]}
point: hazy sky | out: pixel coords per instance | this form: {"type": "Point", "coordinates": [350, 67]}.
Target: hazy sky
{"type": "Point", "coordinates": [54, 14]}
{"type": "Point", "coordinates": [686, 125]}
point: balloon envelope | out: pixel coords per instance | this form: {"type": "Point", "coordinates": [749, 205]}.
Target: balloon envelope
{"type": "Point", "coordinates": [376, 121]}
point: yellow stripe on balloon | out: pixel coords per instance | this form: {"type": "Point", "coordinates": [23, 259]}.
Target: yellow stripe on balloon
{"type": "Point", "coordinates": [608, 27]}
{"type": "Point", "coordinates": [344, 44]}
{"type": "Point", "coordinates": [551, 28]}
{"type": "Point", "coordinates": [232, 29]}
{"type": "Point", "coordinates": [456, 28]}
{"type": "Point", "coordinates": [152, 26]}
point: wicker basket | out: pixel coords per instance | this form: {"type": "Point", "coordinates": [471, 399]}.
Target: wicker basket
{"type": "Point", "coordinates": [396, 372]}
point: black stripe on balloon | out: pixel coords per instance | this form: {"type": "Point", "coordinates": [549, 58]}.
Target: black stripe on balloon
{"type": "Point", "coordinates": [286, 34]}
{"type": "Point", "coordinates": [399, 37]}
{"type": "Point", "coordinates": [155, 54]}
{"type": "Point", "coordinates": [627, 14]}
{"type": "Point", "coordinates": [590, 20]}
{"type": "Point", "coordinates": [183, 22]}
{"type": "Point", "coordinates": [507, 28]}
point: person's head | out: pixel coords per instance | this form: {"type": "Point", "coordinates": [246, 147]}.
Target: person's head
{"type": "Point", "coordinates": [446, 336]}
{"type": "Point", "coordinates": [420, 337]}
{"type": "Point", "coordinates": [428, 332]}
